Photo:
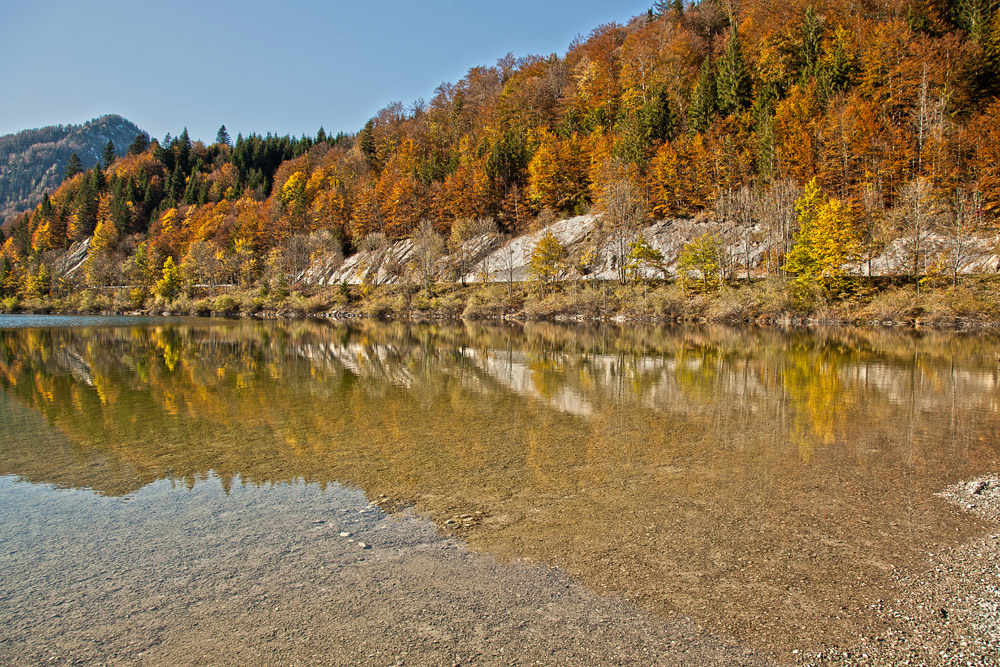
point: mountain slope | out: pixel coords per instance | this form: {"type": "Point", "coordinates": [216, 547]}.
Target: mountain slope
{"type": "Point", "coordinates": [33, 161]}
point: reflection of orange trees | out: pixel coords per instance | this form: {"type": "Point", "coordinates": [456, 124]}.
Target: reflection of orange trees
{"type": "Point", "coordinates": [666, 490]}
{"type": "Point", "coordinates": [389, 405]}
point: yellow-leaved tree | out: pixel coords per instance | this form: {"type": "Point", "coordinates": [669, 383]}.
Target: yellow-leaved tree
{"type": "Point", "coordinates": [548, 261]}
{"type": "Point", "coordinates": [826, 242]}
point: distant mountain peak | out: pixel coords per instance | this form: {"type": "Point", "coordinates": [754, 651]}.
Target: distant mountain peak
{"type": "Point", "coordinates": [32, 161]}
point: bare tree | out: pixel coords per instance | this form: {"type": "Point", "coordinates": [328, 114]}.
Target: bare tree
{"type": "Point", "coordinates": [960, 226]}
{"type": "Point", "coordinates": [739, 209]}
{"type": "Point", "coordinates": [872, 222]}
{"type": "Point", "coordinates": [916, 215]}
{"type": "Point", "coordinates": [508, 264]}
{"type": "Point", "coordinates": [467, 241]}
{"type": "Point", "coordinates": [485, 232]}
{"type": "Point", "coordinates": [776, 213]}
{"type": "Point", "coordinates": [203, 264]}
{"type": "Point", "coordinates": [428, 247]}
{"type": "Point", "coordinates": [377, 248]}
{"type": "Point", "coordinates": [459, 246]}
{"type": "Point", "coordinates": [289, 262]}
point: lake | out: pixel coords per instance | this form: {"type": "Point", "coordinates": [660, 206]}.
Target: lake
{"type": "Point", "coordinates": [183, 491]}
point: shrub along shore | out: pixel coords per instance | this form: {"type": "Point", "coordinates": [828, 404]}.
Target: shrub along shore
{"type": "Point", "coordinates": [973, 303]}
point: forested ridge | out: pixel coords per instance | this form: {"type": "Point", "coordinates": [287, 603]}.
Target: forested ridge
{"type": "Point", "coordinates": [810, 124]}
{"type": "Point", "coordinates": [33, 162]}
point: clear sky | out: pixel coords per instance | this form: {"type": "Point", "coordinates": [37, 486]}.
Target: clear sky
{"type": "Point", "coordinates": [283, 67]}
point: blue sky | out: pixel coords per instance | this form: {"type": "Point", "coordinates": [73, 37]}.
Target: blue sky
{"type": "Point", "coordinates": [261, 66]}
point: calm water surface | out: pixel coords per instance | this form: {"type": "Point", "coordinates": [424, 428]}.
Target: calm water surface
{"type": "Point", "coordinates": [767, 484]}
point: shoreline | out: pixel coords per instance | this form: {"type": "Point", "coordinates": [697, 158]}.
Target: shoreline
{"type": "Point", "coordinates": [957, 326]}
{"type": "Point", "coordinates": [966, 308]}
{"type": "Point", "coordinates": [948, 614]}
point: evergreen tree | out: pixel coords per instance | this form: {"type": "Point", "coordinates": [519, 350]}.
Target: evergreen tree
{"type": "Point", "coordinates": [175, 187]}
{"type": "Point", "coordinates": [661, 7]}
{"type": "Point", "coordinates": [74, 166]}
{"type": "Point", "coordinates": [119, 208]}
{"type": "Point", "coordinates": [658, 118]}
{"type": "Point", "coordinates": [367, 143]}
{"type": "Point", "coordinates": [222, 136]}
{"type": "Point", "coordinates": [191, 192]}
{"type": "Point", "coordinates": [183, 144]}
{"type": "Point", "coordinates": [812, 38]}
{"type": "Point", "coordinates": [733, 85]}
{"type": "Point", "coordinates": [139, 144]}
{"type": "Point", "coordinates": [46, 208]}
{"type": "Point", "coordinates": [99, 180]}
{"type": "Point", "coordinates": [838, 70]}
{"type": "Point", "coordinates": [703, 102]}
{"type": "Point", "coordinates": [990, 75]}
{"type": "Point", "coordinates": [21, 234]}
{"type": "Point", "coordinates": [109, 154]}
{"type": "Point", "coordinates": [973, 16]}
{"type": "Point", "coordinates": [87, 199]}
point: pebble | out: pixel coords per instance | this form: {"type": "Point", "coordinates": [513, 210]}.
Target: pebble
{"type": "Point", "coordinates": [955, 601]}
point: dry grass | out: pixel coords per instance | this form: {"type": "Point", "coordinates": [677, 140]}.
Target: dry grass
{"type": "Point", "coordinates": [776, 299]}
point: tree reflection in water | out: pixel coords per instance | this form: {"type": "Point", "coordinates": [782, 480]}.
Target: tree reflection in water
{"type": "Point", "coordinates": [765, 482]}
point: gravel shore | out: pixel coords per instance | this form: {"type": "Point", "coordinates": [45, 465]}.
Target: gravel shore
{"type": "Point", "coordinates": [949, 614]}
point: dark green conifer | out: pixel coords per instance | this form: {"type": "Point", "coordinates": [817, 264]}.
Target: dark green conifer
{"type": "Point", "coordinates": [109, 154]}
{"type": "Point", "coordinates": [46, 208]}
{"type": "Point", "coordinates": [367, 142]}
{"type": "Point", "coordinates": [191, 191]}
{"type": "Point", "coordinates": [99, 180]}
{"type": "Point", "coordinates": [74, 166]}
{"type": "Point", "coordinates": [703, 102]}
{"type": "Point", "coordinates": [812, 38]}
{"type": "Point", "coordinates": [139, 144]}
{"type": "Point", "coordinates": [119, 207]}
{"type": "Point", "coordinates": [183, 144]}
{"type": "Point", "coordinates": [734, 89]}
{"type": "Point", "coordinates": [87, 202]}
{"type": "Point", "coordinates": [658, 120]}
{"type": "Point", "coordinates": [973, 16]}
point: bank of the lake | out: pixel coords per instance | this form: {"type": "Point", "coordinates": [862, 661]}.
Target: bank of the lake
{"type": "Point", "coordinates": [947, 615]}
{"type": "Point", "coordinates": [973, 303]}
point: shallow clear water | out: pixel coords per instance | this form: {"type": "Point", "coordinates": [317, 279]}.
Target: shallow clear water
{"type": "Point", "coordinates": [766, 484]}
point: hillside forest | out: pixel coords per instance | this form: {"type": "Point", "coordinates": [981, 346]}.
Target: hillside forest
{"type": "Point", "coordinates": [33, 162]}
{"type": "Point", "coordinates": [827, 129]}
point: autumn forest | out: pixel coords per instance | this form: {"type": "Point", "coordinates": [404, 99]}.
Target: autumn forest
{"type": "Point", "coordinates": [825, 129]}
